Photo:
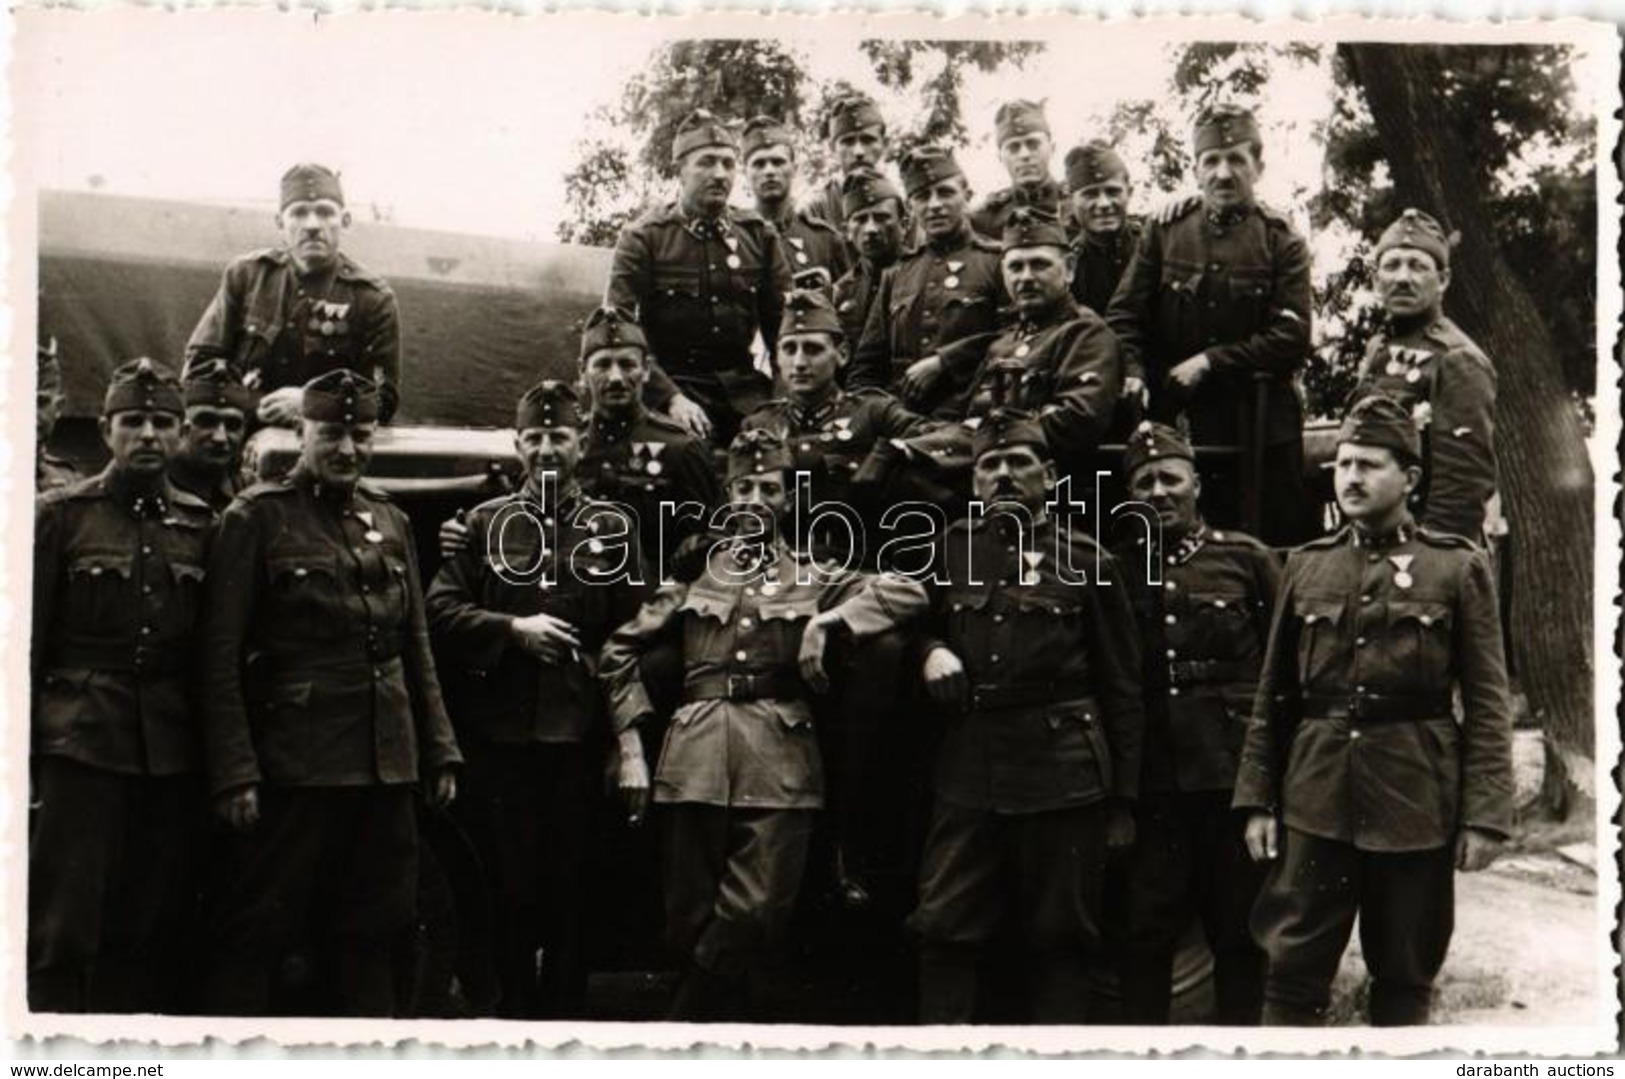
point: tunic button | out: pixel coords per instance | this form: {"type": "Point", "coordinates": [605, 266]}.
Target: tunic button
{"type": "Point", "coordinates": [146, 550]}
{"type": "Point", "coordinates": [994, 658]}
{"type": "Point", "coordinates": [377, 672]}
{"type": "Point", "coordinates": [1173, 691]}
{"type": "Point", "coordinates": [364, 590]}
{"type": "Point", "coordinates": [744, 623]}
{"type": "Point", "coordinates": [1353, 735]}
{"type": "Point", "coordinates": [1365, 599]}
{"type": "Point", "coordinates": [1373, 557]}
{"type": "Point", "coordinates": [1171, 587]}
{"type": "Point", "coordinates": [998, 618]}
{"type": "Point", "coordinates": [1172, 654]}
{"type": "Point", "coordinates": [1170, 619]}
{"type": "Point", "coordinates": [750, 591]}
{"type": "Point", "coordinates": [1359, 642]}
{"type": "Point", "coordinates": [146, 630]}
{"type": "Point", "coordinates": [806, 446]}
{"type": "Point", "coordinates": [1359, 689]}
{"type": "Point", "coordinates": [740, 655]}
{"type": "Point", "coordinates": [146, 589]}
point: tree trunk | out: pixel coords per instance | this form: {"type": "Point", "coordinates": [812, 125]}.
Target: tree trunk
{"type": "Point", "coordinates": [1546, 478]}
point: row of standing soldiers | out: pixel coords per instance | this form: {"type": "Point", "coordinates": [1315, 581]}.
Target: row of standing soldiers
{"type": "Point", "coordinates": [298, 690]}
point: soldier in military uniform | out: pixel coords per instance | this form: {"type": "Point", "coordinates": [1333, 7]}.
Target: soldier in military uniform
{"type": "Point", "coordinates": [50, 470]}
{"type": "Point", "coordinates": [284, 315]}
{"type": "Point", "coordinates": [740, 776]}
{"type": "Point", "coordinates": [518, 617]}
{"type": "Point", "coordinates": [1104, 235]}
{"type": "Point", "coordinates": [1354, 746]}
{"type": "Point", "coordinates": [209, 461]}
{"type": "Point", "coordinates": [118, 577]}
{"type": "Point", "coordinates": [1203, 618]}
{"type": "Point", "coordinates": [815, 249]}
{"type": "Point", "coordinates": [1025, 149]}
{"type": "Point", "coordinates": [1422, 360]}
{"type": "Point", "coordinates": [875, 221]}
{"type": "Point", "coordinates": [703, 279]}
{"type": "Point", "coordinates": [322, 717]}
{"type": "Point", "coordinates": [856, 133]}
{"type": "Point", "coordinates": [1213, 314]}
{"type": "Point", "coordinates": [1032, 659]}
{"type": "Point", "coordinates": [942, 290]}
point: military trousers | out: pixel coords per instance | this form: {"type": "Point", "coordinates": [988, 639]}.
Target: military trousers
{"type": "Point", "coordinates": [528, 810]}
{"type": "Point", "coordinates": [1306, 911]}
{"type": "Point", "coordinates": [112, 888]}
{"type": "Point", "coordinates": [979, 868]}
{"type": "Point", "coordinates": [1188, 861]}
{"type": "Point", "coordinates": [333, 868]}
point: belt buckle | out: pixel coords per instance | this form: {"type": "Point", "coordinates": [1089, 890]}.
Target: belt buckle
{"type": "Point", "coordinates": [739, 685]}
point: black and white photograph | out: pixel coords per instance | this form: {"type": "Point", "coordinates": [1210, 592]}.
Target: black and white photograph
{"type": "Point", "coordinates": [812, 530]}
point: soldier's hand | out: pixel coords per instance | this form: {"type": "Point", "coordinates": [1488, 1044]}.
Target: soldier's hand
{"type": "Point", "coordinates": [1175, 208]}
{"type": "Point", "coordinates": [1189, 373]}
{"type": "Point", "coordinates": [239, 809]}
{"type": "Point", "coordinates": [690, 416]}
{"type": "Point", "coordinates": [281, 407]}
{"type": "Point", "coordinates": [454, 534]}
{"type": "Point", "coordinates": [814, 639]}
{"type": "Point", "coordinates": [1263, 836]}
{"type": "Point", "coordinates": [443, 791]}
{"type": "Point", "coordinates": [921, 378]}
{"type": "Point", "coordinates": [1475, 850]}
{"type": "Point", "coordinates": [1134, 389]}
{"type": "Point", "coordinates": [1119, 826]}
{"type": "Point", "coordinates": [945, 678]}
{"type": "Point", "coordinates": [632, 778]}
{"type": "Point", "coordinates": [550, 639]}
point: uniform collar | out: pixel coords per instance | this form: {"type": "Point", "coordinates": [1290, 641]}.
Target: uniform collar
{"type": "Point", "coordinates": [562, 504]}
{"type": "Point", "coordinates": [1232, 215]}
{"type": "Point", "coordinates": [605, 427]}
{"type": "Point", "coordinates": [806, 418]}
{"type": "Point", "coordinates": [1059, 312]}
{"type": "Point", "coordinates": [704, 228]}
{"type": "Point", "coordinates": [1187, 546]}
{"type": "Point", "coordinates": [338, 497]}
{"type": "Point", "coordinates": [140, 499]}
{"type": "Point", "coordinates": [952, 242]}
{"type": "Point", "coordinates": [1400, 535]}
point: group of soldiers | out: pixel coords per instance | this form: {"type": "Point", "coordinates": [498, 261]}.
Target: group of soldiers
{"type": "Point", "coordinates": [1065, 740]}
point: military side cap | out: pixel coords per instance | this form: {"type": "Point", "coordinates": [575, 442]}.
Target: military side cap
{"type": "Point", "coordinates": [864, 187]}
{"type": "Point", "coordinates": [1154, 442]}
{"type": "Point", "coordinates": [852, 113]}
{"type": "Point", "coordinates": [213, 381]}
{"type": "Point", "coordinates": [756, 451]}
{"type": "Point", "coordinates": [1094, 162]}
{"type": "Point", "coordinates": [701, 128]}
{"type": "Point", "coordinates": [340, 396]}
{"type": "Point", "coordinates": [49, 376]}
{"type": "Point", "coordinates": [1224, 125]}
{"type": "Point", "coordinates": [309, 183]}
{"type": "Point", "coordinates": [926, 166]}
{"type": "Point", "coordinates": [1379, 420]}
{"type": "Point", "coordinates": [549, 403]}
{"type": "Point", "coordinates": [607, 327]}
{"type": "Point", "coordinates": [1421, 231]}
{"type": "Point", "coordinates": [809, 311]}
{"type": "Point", "coordinates": [143, 384]}
{"type": "Point", "coordinates": [760, 133]}
{"type": "Point", "coordinates": [1017, 118]}
{"type": "Point", "coordinates": [1028, 226]}
{"type": "Point", "coordinates": [1007, 427]}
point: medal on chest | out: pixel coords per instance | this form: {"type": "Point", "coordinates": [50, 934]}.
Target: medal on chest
{"type": "Point", "coordinates": [1406, 362]}
{"type": "Point", "coordinates": [843, 428]}
{"type": "Point", "coordinates": [952, 280]}
{"type": "Point", "coordinates": [733, 252]}
{"type": "Point", "coordinates": [371, 535]}
{"type": "Point", "coordinates": [800, 246]}
{"type": "Point", "coordinates": [1402, 568]}
{"type": "Point", "coordinates": [1031, 560]}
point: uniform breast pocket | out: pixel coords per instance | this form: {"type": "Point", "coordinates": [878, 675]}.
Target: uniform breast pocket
{"type": "Point", "coordinates": [305, 586]}
{"type": "Point", "coordinates": [963, 316]}
{"type": "Point", "coordinates": [1419, 634]}
{"type": "Point", "coordinates": [1318, 621]}
{"type": "Point", "coordinates": [1249, 291]}
{"type": "Point", "coordinates": [254, 340]}
{"type": "Point", "coordinates": [676, 283]}
{"type": "Point", "coordinates": [187, 580]}
{"type": "Point", "coordinates": [1078, 745]}
{"type": "Point", "coordinates": [101, 589]}
{"type": "Point", "coordinates": [1224, 621]}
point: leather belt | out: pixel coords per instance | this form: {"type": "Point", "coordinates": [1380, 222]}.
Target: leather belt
{"type": "Point", "coordinates": [743, 686]}
{"type": "Point", "coordinates": [1190, 672]}
{"type": "Point", "coordinates": [120, 658]}
{"type": "Point", "coordinates": [1378, 707]}
{"type": "Point", "coordinates": [991, 697]}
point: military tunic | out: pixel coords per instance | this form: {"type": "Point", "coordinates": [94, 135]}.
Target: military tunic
{"type": "Point", "coordinates": [52, 471]}
{"type": "Point", "coordinates": [853, 296]}
{"type": "Point", "coordinates": [282, 330]}
{"type": "Point", "coordinates": [646, 462]}
{"type": "Point", "coordinates": [989, 218]}
{"type": "Point", "coordinates": [702, 290]}
{"type": "Point", "coordinates": [1101, 261]}
{"type": "Point", "coordinates": [1234, 286]}
{"type": "Point", "coordinates": [118, 588]}
{"type": "Point", "coordinates": [1202, 630]}
{"type": "Point", "coordinates": [216, 491]}
{"type": "Point", "coordinates": [740, 770]}
{"type": "Point", "coordinates": [320, 689]}
{"type": "Point", "coordinates": [534, 733]}
{"type": "Point", "coordinates": [1353, 741]}
{"type": "Point", "coordinates": [933, 297]}
{"type": "Point", "coordinates": [1439, 367]}
{"type": "Point", "coordinates": [811, 243]}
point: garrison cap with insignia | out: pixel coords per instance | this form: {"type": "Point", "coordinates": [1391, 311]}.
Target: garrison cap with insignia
{"type": "Point", "coordinates": [809, 311]}
{"type": "Point", "coordinates": [1154, 442]}
{"type": "Point", "coordinates": [609, 328]}
{"type": "Point", "coordinates": [853, 112]}
{"type": "Point", "coordinates": [212, 380]}
{"type": "Point", "coordinates": [755, 451]}
{"type": "Point", "coordinates": [1224, 125]}
{"type": "Point", "coordinates": [863, 187]}
{"type": "Point", "coordinates": [1379, 420]}
{"type": "Point", "coordinates": [1028, 226]}
{"type": "Point", "coordinates": [549, 403]}
{"type": "Point", "coordinates": [1008, 427]}
{"type": "Point", "coordinates": [926, 165]}
{"type": "Point", "coordinates": [1094, 162]}
{"type": "Point", "coordinates": [49, 378]}
{"type": "Point", "coordinates": [1017, 118]}
{"type": "Point", "coordinates": [761, 132]}
{"type": "Point", "coordinates": [1421, 231]}
{"type": "Point", "coordinates": [143, 384]}
{"type": "Point", "coordinates": [701, 128]}
{"type": "Point", "coordinates": [341, 396]}
{"type": "Point", "coordinates": [310, 183]}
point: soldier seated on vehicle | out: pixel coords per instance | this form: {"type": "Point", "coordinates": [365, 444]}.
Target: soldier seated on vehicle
{"type": "Point", "coordinates": [740, 775]}
{"type": "Point", "coordinates": [285, 315]}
